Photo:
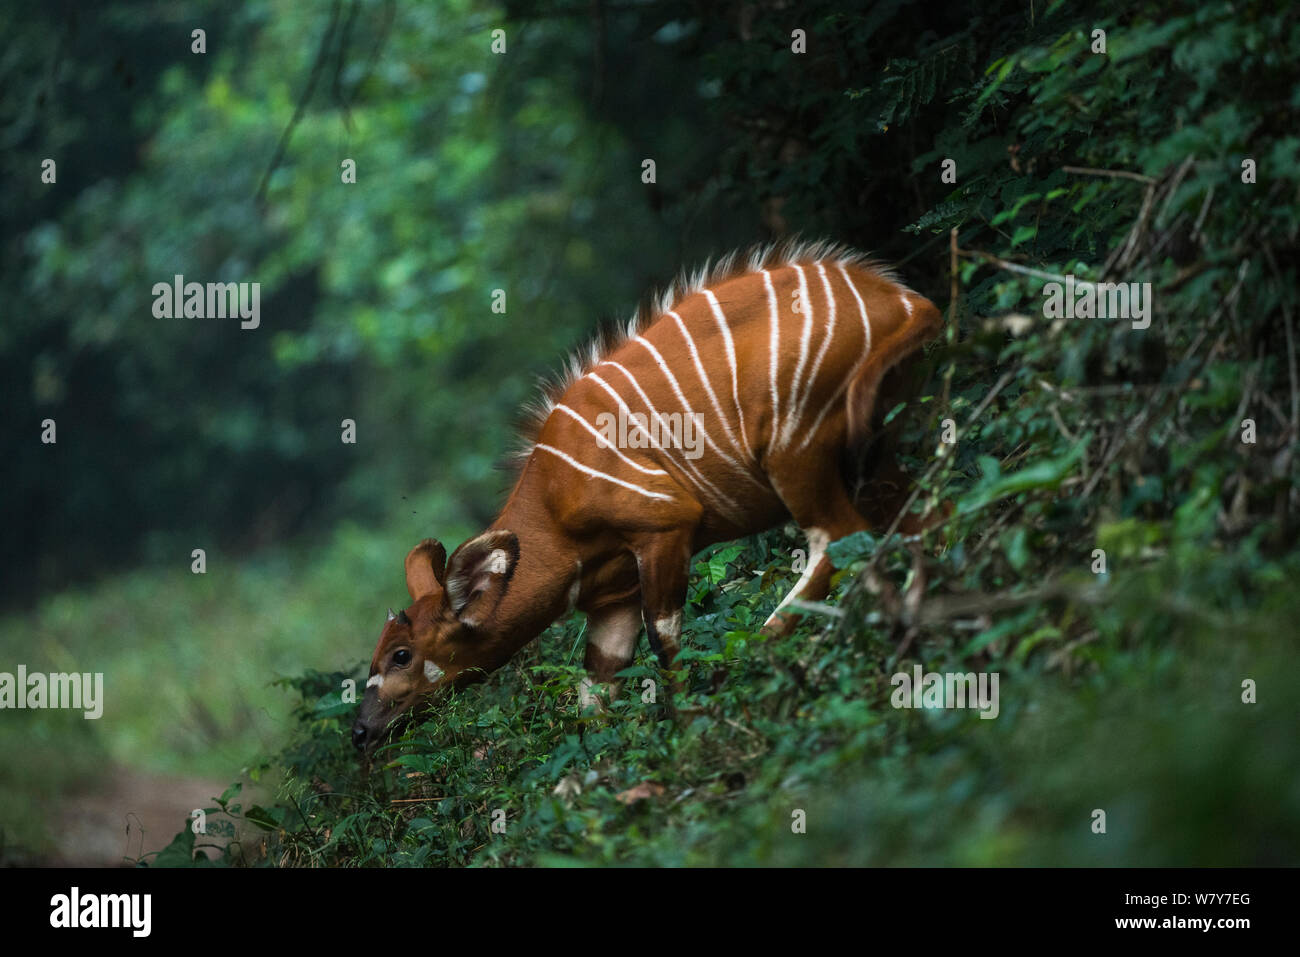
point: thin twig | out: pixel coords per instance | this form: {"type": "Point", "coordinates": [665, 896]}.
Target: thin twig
{"type": "Point", "coordinates": [1010, 266]}
{"type": "Point", "coordinates": [1113, 173]}
{"type": "Point", "coordinates": [317, 66]}
{"type": "Point", "coordinates": [1282, 465]}
{"type": "Point", "coordinates": [1139, 228]}
{"type": "Point", "coordinates": [1205, 208]}
{"type": "Point", "coordinates": [953, 289]}
{"type": "Point", "coordinates": [817, 607]}
{"type": "Point", "coordinates": [1172, 188]}
{"type": "Point", "coordinates": [336, 85]}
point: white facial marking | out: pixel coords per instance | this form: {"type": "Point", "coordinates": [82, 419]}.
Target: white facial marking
{"type": "Point", "coordinates": [432, 671]}
{"type": "Point", "coordinates": [376, 681]}
{"type": "Point", "coordinates": [498, 562]}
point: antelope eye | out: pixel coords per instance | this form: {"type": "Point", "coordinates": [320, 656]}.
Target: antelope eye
{"type": "Point", "coordinates": [402, 656]}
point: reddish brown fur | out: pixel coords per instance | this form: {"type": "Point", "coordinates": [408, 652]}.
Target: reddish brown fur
{"type": "Point", "coordinates": [629, 548]}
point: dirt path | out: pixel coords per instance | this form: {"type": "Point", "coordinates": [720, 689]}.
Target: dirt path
{"type": "Point", "coordinates": [130, 814]}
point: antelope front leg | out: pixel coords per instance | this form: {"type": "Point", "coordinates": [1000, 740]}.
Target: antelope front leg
{"type": "Point", "coordinates": [663, 564]}
{"type": "Point", "coordinates": [611, 643]}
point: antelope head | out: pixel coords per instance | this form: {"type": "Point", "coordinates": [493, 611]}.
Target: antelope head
{"type": "Point", "coordinates": [444, 638]}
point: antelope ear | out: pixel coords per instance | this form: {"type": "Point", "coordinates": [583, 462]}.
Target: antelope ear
{"type": "Point", "coordinates": [478, 574]}
{"type": "Point", "coordinates": [425, 568]}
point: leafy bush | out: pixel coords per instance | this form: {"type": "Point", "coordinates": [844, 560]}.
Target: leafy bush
{"type": "Point", "coordinates": [1119, 720]}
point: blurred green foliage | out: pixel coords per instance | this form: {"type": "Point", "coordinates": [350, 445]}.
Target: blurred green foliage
{"type": "Point", "coordinates": [475, 172]}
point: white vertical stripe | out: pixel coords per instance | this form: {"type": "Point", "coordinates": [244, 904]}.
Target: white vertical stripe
{"type": "Point", "coordinates": [774, 344]}
{"type": "Point", "coordinates": [806, 304]}
{"type": "Point", "coordinates": [857, 366]}
{"type": "Point", "coordinates": [603, 443]}
{"type": "Point", "coordinates": [730, 348]}
{"type": "Point", "coordinates": [689, 469]}
{"type": "Point", "coordinates": [681, 397]}
{"type": "Point", "coordinates": [830, 404]}
{"type": "Point", "coordinates": [602, 475]}
{"type": "Point", "coordinates": [862, 308]}
{"type": "Point", "coordinates": [699, 369]}
{"type": "Point", "coordinates": [802, 405]}
{"type": "Point", "coordinates": [623, 407]}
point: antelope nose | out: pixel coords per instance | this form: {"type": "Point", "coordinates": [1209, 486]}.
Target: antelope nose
{"type": "Point", "coordinates": [358, 735]}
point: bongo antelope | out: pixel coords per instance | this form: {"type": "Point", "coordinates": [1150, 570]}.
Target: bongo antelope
{"type": "Point", "coordinates": [778, 356]}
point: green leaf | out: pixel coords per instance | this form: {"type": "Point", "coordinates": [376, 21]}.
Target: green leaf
{"type": "Point", "coordinates": [229, 793]}
{"type": "Point", "coordinates": [1022, 234]}
{"type": "Point", "coordinates": [845, 551]}
{"type": "Point", "coordinates": [331, 705]}
{"type": "Point", "coordinates": [1003, 628]}
{"type": "Point", "coordinates": [1042, 475]}
{"type": "Point", "coordinates": [1014, 543]}
{"type": "Point", "coordinates": [180, 852]}
{"type": "Point", "coordinates": [719, 561]}
{"type": "Point", "coordinates": [267, 820]}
